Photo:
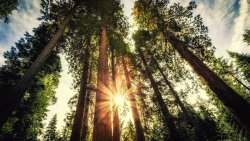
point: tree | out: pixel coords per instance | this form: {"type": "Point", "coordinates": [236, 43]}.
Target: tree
{"type": "Point", "coordinates": [68, 120]}
{"type": "Point", "coordinates": [144, 109]}
{"type": "Point", "coordinates": [102, 129]}
{"type": "Point", "coordinates": [129, 132]}
{"type": "Point", "coordinates": [116, 49]}
{"type": "Point", "coordinates": [133, 106]}
{"type": "Point", "coordinates": [25, 123]}
{"type": "Point", "coordinates": [78, 119]}
{"type": "Point", "coordinates": [246, 37]}
{"type": "Point", "coordinates": [243, 60]}
{"type": "Point", "coordinates": [102, 119]}
{"type": "Point", "coordinates": [171, 88]}
{"type": "Point", "coordinates": [17, 92]}
{"type": "Point", "coordinates": [116, 127]}
{"type": "Point", "coordinates": [174, 135]}
{"type": "Point", "coordinates": [86, 117]}
{"type": "Point", "coordinates": [154, 78]}
{"type": "Point", "coordinates": [185, 117]}
{"type": "Point", "coordinates": [228, 125]}
{"type": "Point", "coordinates": [51, 133]}
{"type": "Point", "coordinates": [231, 99]}
{"type": "Point", "coordinates": [6, 7]}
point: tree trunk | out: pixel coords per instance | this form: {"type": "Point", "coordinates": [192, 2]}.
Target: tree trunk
{"type": "Point", "coordinates": [168, 117]}
{"type": "Point", "coordinates": [143, 111]}
{"type": "Point", "coordinates": [15, 95]}
{"type": "Point", "coordinates": [86, 110]}
{"type": "Point", "coordinates": [102, 119]}
{"type": "Point", "coordinates": [244, 85]}
{"type": "Point", "coordinates": [174, 93]}
{"type": "Point", "coordinates": [77, 124]}
{"type": "Point", "coordinates": [116, 127]}
{"type": "Point", "coordinates": [171, 88]}
{"type": "Point", "coordinates": [133, 106]}
{"type": "Point", "coordinates": [231, 99]}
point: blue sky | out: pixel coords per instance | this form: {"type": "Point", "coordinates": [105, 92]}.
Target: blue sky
{"type": "Point", "coordinates": [226, 20]}
{"type": "Point", "coordinates": [23, 20]}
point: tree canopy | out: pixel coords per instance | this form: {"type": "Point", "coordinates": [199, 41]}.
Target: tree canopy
{"type": "Point", "coordinates": [148, 87]}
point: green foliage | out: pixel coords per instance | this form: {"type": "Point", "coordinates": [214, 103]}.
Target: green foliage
{"type": "Point", "coordinates": [51, 133]}
{"type": "Point", "coordinates": [243, 63]}
{"type": "Point", "coordinates": [175, 20]}
{"type": "Point", "coordinates": [129, 132]}
{"type": "Point", "coordinates": [229, 127]}
{"type": "Point", "coordinates": [157, 21]}
{"type": "Point", "coordinates": [26, 121]}
{"type": "Point", "coordinates": [154, 19]}
{"type": "Point", "coordinates": [243, 60]}
{"type": "Point", "coordinates": [6, 7]}
{"type": "Point", "coordinates": [246, 37]}
{"type": "Point", "coordinates": [68, 121]}
{"type": "Point", "coordinates": [192, 125]}
{"type": "Point", "coordinates": [103, 11]}
{"type": "Point", "coordinates": [206, 128]}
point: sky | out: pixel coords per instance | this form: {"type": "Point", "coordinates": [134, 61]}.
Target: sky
{"type": "Point", "coordinates": [226, 20]}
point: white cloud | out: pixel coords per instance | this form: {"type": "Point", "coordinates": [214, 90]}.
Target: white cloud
{"type": "Point", "coordinates": [218, 18]}
{"type": "Point", "coordinates": [21, 21]}
{"type": "Point", "coordinates": [224, 28]}
{"type": "Point", "coordinates": [225, 23]}
{"type": "Point", "coordinates": [240, 24]}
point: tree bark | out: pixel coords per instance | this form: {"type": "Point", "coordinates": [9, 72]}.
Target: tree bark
{"type": "Point", "coordinates": [86, 110]}
{"type": "Point", "coordinates": [77, 124]}
{"type": "Point", "coordinates": [171, 88]}
{"type": "Point", "coordinates": [238, 106]}
{"type": "Point", "coordinates": [143, 111]}
{"type": "Point", "coordinates": [133, 106]}
{"type": "Point", "coordinates": [174, 135]}
{"type": "Point", "coordinates": [15, 95]}
{"type": "Point", "coordinates": [116, 127]}
{"type": "Point", "coordinates": [102, 119]}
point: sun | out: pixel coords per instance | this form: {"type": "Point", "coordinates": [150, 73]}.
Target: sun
{"type": "Point", "coordinates": [119, 100]}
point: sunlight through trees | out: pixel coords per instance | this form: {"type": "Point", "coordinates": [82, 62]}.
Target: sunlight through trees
{"type": "Point", "coordinates": [128, 88]}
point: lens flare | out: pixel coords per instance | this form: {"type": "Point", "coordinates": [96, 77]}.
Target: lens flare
{"type": "Point", "coordinates": [119, 100]}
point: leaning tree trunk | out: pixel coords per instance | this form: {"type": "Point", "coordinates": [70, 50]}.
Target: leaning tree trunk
{"type": "Point", "coordinates": [15, 95]}
{"type": "Point", "coordinates": [133, 106]}
{"type": "Point", "coordinates": [171, 88]}
{"type": "Point", "coordinates": [143, 110]}
{"type": "Point", "coordinates": [77, 124]}
{"type": "Point", "coordinates": [102, 119]}
{"type": "Point", "coordinates": [174, 93]}
{"type": "Point", "coordinates": [174, 135]}
{"type": "Point", "coordinates": [238, 106]}
{"type": "Point", "coordinates": [244, 85]}
{"type": "Point", "coordinates": [86, 110]}
{"type": "Point", "coordinates": [116, 127]}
